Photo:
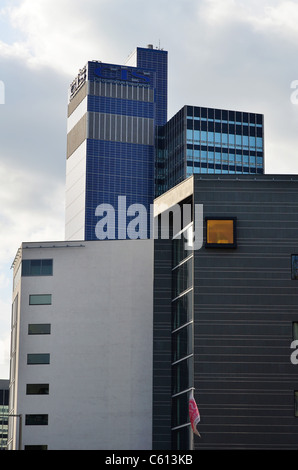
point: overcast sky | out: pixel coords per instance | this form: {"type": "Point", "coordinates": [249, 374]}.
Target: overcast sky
{"type": "Point", "coordinates": [231, 54]}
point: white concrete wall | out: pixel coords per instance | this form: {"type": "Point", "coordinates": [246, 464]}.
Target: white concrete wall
{"type": "Point", "coordinates": [75, 194]}
{"type": "Point", "coordinates": [100, 373]}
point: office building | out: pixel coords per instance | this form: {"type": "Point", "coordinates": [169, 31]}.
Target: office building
{"type": "Point", "coordinates": [4, 408]}
{"type": "Point", "coordinates": [207, 140]}
{"type": "Point", "coordinates": [81, 349]}
{"type": "Point", "coordinates": [113, 111]}
{"type": "Point", "coordinates": [225, 315]}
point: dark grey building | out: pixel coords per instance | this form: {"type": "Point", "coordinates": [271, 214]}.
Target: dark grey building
{"type": "Point", "coordinates": [225, 316]}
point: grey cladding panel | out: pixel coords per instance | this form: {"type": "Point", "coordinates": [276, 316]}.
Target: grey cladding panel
{"type": "Point", "coordinates": [120, 128]}
{"type": "Point", "coordinates": [245, 303]}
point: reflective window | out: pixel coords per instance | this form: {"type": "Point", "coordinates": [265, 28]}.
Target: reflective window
{"type": "Point", "coordinates": [182, 343]}
{"type": "Point", "coordinates": [189, 134]}
{"type": "Point", "coordinates": [259, 142]}
{"type": "Point", "coordinates": [182, 373]}
{"type": "Point", "coordinates": [217, 137]}
{"type": "Point", "coordinates": [180, 251]}
{"type": "Point", "coordinates": [38, 358]}
{"type": "Point", "coordinates": [182, 310]}
{"type": "Point", "coordinates": [36, 420]}
{"type": "Point", "coordinates": [295, 330]}
{"type": "Point", "coordinates": [40, 299]}
{"type": "Point", "coordinates": [211, 137]}
{"type": "Point", "coordinates": [37, 267]}
{"type": "Point", "coordinates": [180, 414]}
{"type": "Point", "coordinates": [294, 267]}
{"type": "Point", "coordinates": [39, 329]}
{"type": "Point", "coordinates": [182, 277]}
{"type": "Point", "coordinates": [231, 139]}
{"type": "Point", "coordinates": [37, 389]}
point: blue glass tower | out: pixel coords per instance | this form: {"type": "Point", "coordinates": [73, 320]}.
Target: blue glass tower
{"type": "Point", "coordinates": [156, 60]}
{"type": "Point", "coordinates": [113, 112]}
{"type": "Point", "coordinates": [208, 140]}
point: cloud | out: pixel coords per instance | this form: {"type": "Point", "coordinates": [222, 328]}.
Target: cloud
{"type": "Point", "coordinates": [32, 208]}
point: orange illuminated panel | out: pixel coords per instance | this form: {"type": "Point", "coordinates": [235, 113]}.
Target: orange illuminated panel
{"type": "Point", "coordinates": [221, 232]}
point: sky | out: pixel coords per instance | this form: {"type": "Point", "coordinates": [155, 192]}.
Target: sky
{"type": "Point", "coordinates": [230, 54]}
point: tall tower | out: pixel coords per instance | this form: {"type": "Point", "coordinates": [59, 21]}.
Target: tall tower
{"type": "Point", "coordinates": [112, 114]}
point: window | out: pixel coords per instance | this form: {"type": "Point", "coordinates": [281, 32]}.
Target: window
{"type": "Point", "coordinates": [38, 358]}
{"type": "Point", "coordinates": [182, 277]}
{"type": "Point", "coordinates": [296, 403]}
{"type": "Point", "coordinates": [37, 267]}
{"type": "Point", "coordinates": [221, 232]}
{"type": "Point", "coordinates": [182, 310]}
{"type": "Point", "coordinates": [37, 447]}
{"type": "Point", "coordinates": [294, 267]}
{"type": "Point", "coordinates": [182, 343]}
{"type": "Point", "coordinates": [37, 389]}
{"type": "Point", "coordinates": [40, 299]}
{"type": "Point", "coordinates": [182, 373]}
{"type": "Point", "coordinates": [39, 329]}
{"type": "Point", "coordinates": [295, 331]}
{"type": "Point", "coordinates": [36, 420]}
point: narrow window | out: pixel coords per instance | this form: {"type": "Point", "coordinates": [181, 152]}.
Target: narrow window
{"type": "Point", "coordinates": [36, 420]}
{"type": "Point", "coordinates": [38, 358]}
{"type": "Point", "coordinates": [37, 389]}
{"type": "Point", "coordinates": [40, 299]}
{"type": "Point", "coordinates": [296, 403]}
{"type": "Point", "coordinates": [39, 329]}
{"type": "Point", "coordinates": [295, 331]}
{"type": "Point", "coordinates": [294, 267]}
{"type": "Point", "coordinates": [36, 447]}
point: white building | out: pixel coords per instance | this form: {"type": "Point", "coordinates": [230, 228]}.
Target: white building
{"type": "Point", "coordinates": [81, 349]}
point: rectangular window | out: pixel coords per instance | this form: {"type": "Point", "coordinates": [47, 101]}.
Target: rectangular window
{"type": "Point", "coordinates": [294, 267]}
{"type": "Point", "coordinates": [221, 232]}
{"type": "Point", "coordinates": [40, 299]}
{"type": "Point", "coordinates": [37, 389]}
{"type": "Point", "coordinates": [37, 447]}
{"type": "Point", "coordinates": [39, 329]}
{"type": "Point", "coordinates": [37, 267]}
{"type": "Point", "coordinates": [38, 358]}
{"type": "Point", "coordinates": [182, 343]}
{"type": "Point", "coordinates": [295, 331]}
{"type": "Point", "coordinates": [296, 403]}
{"type": "Point", "coordinates": [182, 374]}
{"type": "Point", "coordinates": [182, 310]}
{"type": "Point", "coordinates": [36, 420]}
{"type": "Point", "coordinates": [182, 277]}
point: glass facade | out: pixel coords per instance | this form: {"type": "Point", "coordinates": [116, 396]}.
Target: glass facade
{"type": "Point", "coordinates": [114, 111]}
{"type": "Point", "coordinates": [207, 140]}
{"type": "Point", "coordinates": [157, 60]}
{"type": "Point", "coordinates": [182, 340]}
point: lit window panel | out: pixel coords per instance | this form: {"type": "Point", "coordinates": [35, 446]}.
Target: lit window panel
{"type": "Point", "coordinates": [221, 232]}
